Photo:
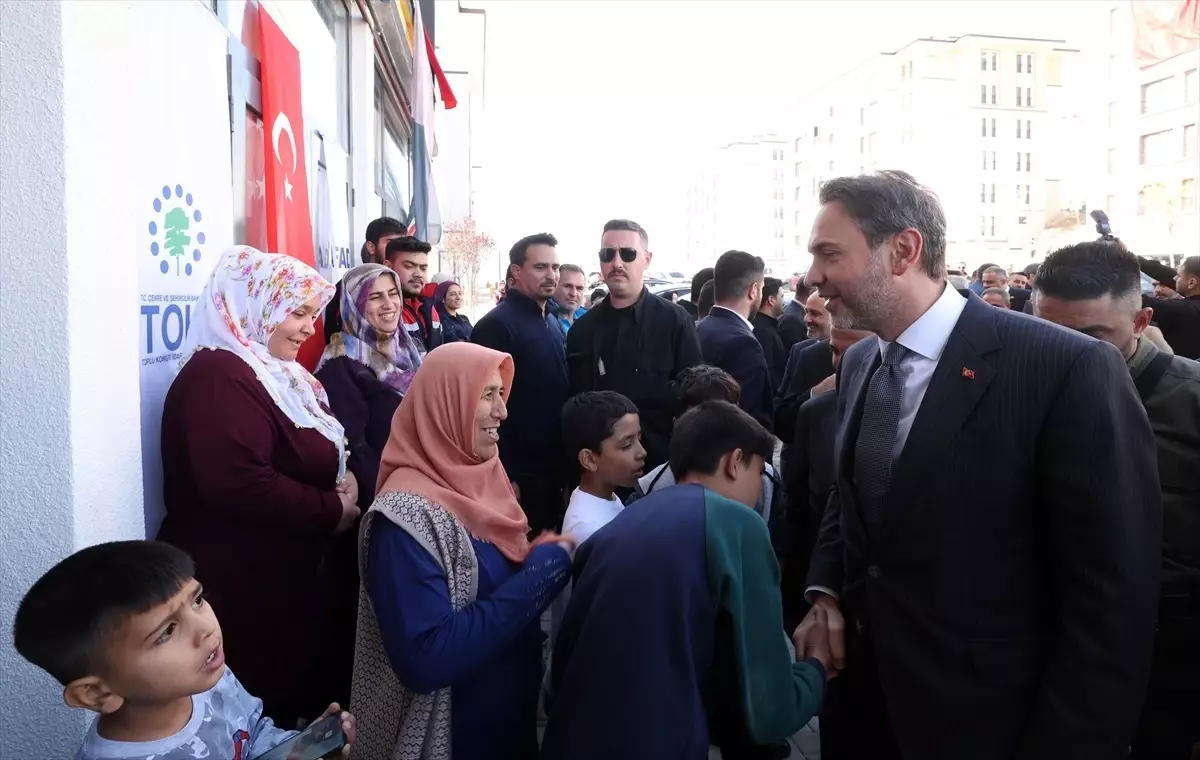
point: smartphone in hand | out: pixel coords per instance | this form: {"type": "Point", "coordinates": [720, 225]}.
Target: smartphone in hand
{"type": "Point", "coordinates": [321, 739]}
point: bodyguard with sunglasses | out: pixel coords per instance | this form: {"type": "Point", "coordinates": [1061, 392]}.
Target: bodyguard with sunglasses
{"type": "Point", "coordinates": [633, 342]}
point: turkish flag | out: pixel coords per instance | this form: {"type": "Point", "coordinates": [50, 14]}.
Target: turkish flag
{"type": "Point", "coordinates": [289, 226]}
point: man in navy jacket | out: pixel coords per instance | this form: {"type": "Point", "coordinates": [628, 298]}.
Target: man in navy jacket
{"type": "Point", "coordinates": [524, 326]}
{"type": "Point", "coordinates": [727, 335]}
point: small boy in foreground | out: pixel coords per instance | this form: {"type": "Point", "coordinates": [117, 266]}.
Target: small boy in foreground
{"type": "Point", "coordinates": [125, 628]}
{"type": "Point", "coordinates": [602, 432]}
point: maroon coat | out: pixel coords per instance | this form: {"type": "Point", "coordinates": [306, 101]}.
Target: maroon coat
{"type": "Point", "coordinates": [251, 497]}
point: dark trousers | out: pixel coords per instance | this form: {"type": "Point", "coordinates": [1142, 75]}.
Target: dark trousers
{"type": "Point", "coordinates": [543, 501]}
{"type": "Point", "coordinates": [1169, 726]}
{"type": "Point", "coordinates": [854, 720]}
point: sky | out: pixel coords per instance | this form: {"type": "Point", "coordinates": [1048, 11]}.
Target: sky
{"type": "Point", "coordinates": [597, 110]}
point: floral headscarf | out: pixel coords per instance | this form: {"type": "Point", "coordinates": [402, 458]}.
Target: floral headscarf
{"type": "Point", "coordinates": [250, 294]}
{"type": "Point", "coordinates": [393, 358]}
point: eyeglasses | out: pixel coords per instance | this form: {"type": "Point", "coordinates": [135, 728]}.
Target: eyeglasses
{"type": "Point", "coordinates": [608, 254]}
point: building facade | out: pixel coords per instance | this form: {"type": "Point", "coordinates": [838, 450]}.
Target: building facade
{"type": "Point", "coordinates": [133, 154]}
{"type": "Point", "coordinates": [983, 120]}
{"type": "Point", "coordinates": [1150, 154]}
{"type": "Point", "coordinates": [737, 201]}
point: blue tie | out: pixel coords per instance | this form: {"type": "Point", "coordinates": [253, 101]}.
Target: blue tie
{"type": "Point", "coordinates": [877, 433]}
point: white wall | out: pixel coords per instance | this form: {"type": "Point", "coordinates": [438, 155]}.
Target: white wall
{"type": "Point", "coordinates": [70, 465]}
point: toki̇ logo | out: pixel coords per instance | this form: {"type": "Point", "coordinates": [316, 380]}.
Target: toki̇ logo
{"type": "Point", "coordinates": [175, 231]}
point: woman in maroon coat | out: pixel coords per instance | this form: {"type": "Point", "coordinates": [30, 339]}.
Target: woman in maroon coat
{"type": "Point", "coordinates": [255, 480]}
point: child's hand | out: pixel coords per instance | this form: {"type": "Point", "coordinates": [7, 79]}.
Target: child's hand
{"type": "Point", "coordinates": [349, 728]}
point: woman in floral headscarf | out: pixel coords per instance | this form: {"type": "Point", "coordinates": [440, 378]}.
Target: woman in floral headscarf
{"type": "Point", "coordinates": [254, 475]}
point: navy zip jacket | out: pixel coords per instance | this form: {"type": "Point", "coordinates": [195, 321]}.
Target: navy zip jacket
{"type": "Point", "coordinates": [530, 439]}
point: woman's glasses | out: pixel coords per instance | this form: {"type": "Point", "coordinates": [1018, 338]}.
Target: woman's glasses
{"type": "Point", "coordinates": [608, 254]}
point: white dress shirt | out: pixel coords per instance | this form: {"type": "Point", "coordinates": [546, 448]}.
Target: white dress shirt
{"type": "Point", "coordinates": [925, 340]}
{"type": "Point", "coordinates": [731, 311]}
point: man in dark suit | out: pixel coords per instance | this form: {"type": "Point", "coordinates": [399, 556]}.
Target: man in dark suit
{"type": "Point", "coordinates": [1013, 621]}
{"type": "Point", "coordinates": [727, 335]}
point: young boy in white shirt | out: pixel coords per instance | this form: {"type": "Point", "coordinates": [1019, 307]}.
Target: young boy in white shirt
{"type": "Point", "coordinates": [601, 429]}
{"type": "Point", "coordinates": [125, 628]}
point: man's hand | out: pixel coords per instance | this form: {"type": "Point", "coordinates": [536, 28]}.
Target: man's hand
{"type": "Point", "coordinates": [824, 386]}
{"type": "Point", "coordinates": [822, 634]}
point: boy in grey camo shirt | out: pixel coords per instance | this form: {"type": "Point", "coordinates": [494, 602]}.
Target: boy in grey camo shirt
{"type": "Point", "coordinates": [125, 628]}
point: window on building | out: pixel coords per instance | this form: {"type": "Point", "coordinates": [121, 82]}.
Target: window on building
{"type": "Point", "coordinates": [796, 147]}
{"type": "Point", "coordinates": [993, 160]}
{"type": "Point", "coordinates": [831, 112]}
{"type": "Point", "coordinates": [1156, 96]}
{"type": "Point", "coordinates": [992, 193]}
{"type": "Point", "coordinates": [1189, 141]}
{"type": "Point", "coordinates": [993, 127]}
{"type": "Point", "coordinates": [983, 60]}
{"type": "Point", "coordinates": [983, 126]}
{"type": "Point", "coordinates": [993, 94]}
{"type": "Point", "coordinates": [1027, 167]}
{"type": "Point", "coordinates": [1024, 63]}
{"type": "Point", "coordinates": [797, 193]}
{"type": "Point", "coordinates": [1187, 196]}
{"type": "Point", "coordinates": [1020, 220]}
{"type": "Point", "coordinates": [982, 226]}
{"type": "Point", "coordinates": [1029, 97]}
{"type": "Point", "coordinates": [910, 69]}
{"type": "Point", "coordinates": [816, 131]}
{"type": "Point", "coordinates": [1028, 129]}
{"type": "Point", "coordinates": [1020, 63]}
{"type": "Point", "coordinates": [862, 145]}
{"type": "Point", "coordinates": [1018, 193]}
{"type": "Point", "coordinates": [797, 167]}
{"type": "Point", "coordinates": [985, 160]}
{"type": "Point", "coordinates": [983, 94]}
{"type": "Point", "coordinates": [1018, 97]}
{"type": "Point", "coordinates": [1112, 21]}
{"type": "Point", "coordinates": [862, 116]}
{"type": "Point", "coordinates": [1112, 114]}
{"type": "Point", "coordinates": [1191, 86]}
{"type": "Point", "coordinates": [1018, 160]}
{"type": "Point", "coordinates": [1155, 148]}
{"type": "Point", "coordinates": [1018, 129]}
{"type": "Point", "coordinates": [1027, 195]}
{"type": "Point", "coordinates": [1112, 160]}
{"type": "Point", "coordinates": [982, 193]}
{"type": "Point", "coordinates": [992, 226]}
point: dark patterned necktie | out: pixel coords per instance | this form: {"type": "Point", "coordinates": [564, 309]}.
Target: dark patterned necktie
{"type": "Point", "coordinates": [877, 433]}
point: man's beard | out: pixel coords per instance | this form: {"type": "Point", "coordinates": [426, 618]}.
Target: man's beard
{"type": "Point", "coordinates": [871, 301]}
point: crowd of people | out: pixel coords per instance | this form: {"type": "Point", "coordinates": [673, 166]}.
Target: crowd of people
{"type": "Point", "coordinates": [907, 502]}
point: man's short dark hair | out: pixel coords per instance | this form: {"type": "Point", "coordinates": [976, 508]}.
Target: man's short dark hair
{"type": "Point", "coordinates": [588, 419]}
{"type": "Point", "coordinates": [705, 303]}
{"type": "Point", "coordinates": [66, 621]}
{"type": "Point", "coordinates": [885, 203]}
{"type": "Point", "coordinates": [771, 287]}
{"type": "Point", "coordinates": [629, 225]}
{"type": "Point", "coordinates": [407, 244]}
{"type": "Point", "coordinates": [710, 431]}
{"type": "Point", "coordinates": [1090, 270]}
{"type": "Point", "coordinates": [1191, 266]}
{"type": "Point", "coordinates": [520, 249]}
{"type": "Point", "coordinates": [698, 280]}
{"type": "Point", "coordinates": [734, 273]}
{"type": "Point", "coordinates": [383, 226]}
{"type": "Point", "coordinates": [701, 383]}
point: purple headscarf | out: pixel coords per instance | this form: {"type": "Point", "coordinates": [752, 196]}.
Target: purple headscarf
{"type": "Point", "coordinates": [439, 295]}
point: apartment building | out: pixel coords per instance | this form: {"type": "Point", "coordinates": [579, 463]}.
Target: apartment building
{"type": "Point", "coordinates": [983, 120]}
{"type": "Point", "coordinates": [1151, 161]}
{"type": "Point", "coordinates": [737, 200]}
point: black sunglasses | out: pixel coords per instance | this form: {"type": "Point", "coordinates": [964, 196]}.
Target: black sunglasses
{"type": "Point", "coordinates": [608, 254]}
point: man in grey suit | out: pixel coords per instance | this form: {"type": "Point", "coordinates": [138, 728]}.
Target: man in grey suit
{"type": "Point", "coordinates": [1007, 619]}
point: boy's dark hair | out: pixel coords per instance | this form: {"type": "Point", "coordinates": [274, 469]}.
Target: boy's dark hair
{"type": "Point", "coordinates": [701, 383]}
{"type": "Point", "coordinates": [64, 623]}
{"type": "Point", "coordinates": [406, 244]}
{"type": "Point", "coordinates": [520, 249]}
{"type": "Point", "coordinates": [1090, 270]}
{"type": "Point", "coordinates": [710, 431]}
{"type": "Point", "coordinates": [771, 287]}
{"type": "Point", "coordinates": [588, 419]}
{"type": "Point", "coordinates": [384, 225]}
{"type": "Point", "coordinates": [1191, 266]}
{"type": "Point", "coordinates": [734, 273]}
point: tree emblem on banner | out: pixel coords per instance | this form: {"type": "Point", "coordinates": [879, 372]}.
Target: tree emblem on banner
{"type": "Point", "coordinates": [175, 231]}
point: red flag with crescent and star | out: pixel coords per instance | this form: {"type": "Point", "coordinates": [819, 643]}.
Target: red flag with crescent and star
{"type": "Point", "coordinates": [289, 225]}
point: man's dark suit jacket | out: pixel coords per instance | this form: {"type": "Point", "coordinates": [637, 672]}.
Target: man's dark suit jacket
{"type": "Point", "coordinates": [809, 477]}
{"type": "Point", "coordinates": [1014, 620]}
{"type": "Point", "coordinates": [766, 329]}
{"type": "Point", "coordinates": [809, 363]}
{"type": "Point", "coordinates": [728, 342]}
{"type": "Point", "coordinates": [791, 325]}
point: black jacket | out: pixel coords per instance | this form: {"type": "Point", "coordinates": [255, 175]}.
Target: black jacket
{"type": "Point", "coordinates": [656, 340]}
{"type": "Point", "coordinates": [728, 342]}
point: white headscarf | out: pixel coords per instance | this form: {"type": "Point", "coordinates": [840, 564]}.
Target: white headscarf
{"type": "Point", "coordinates": [250, 294]}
